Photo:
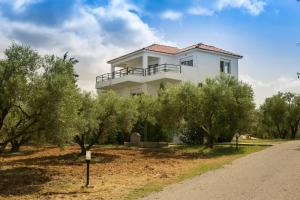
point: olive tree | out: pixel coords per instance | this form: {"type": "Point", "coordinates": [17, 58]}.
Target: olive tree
{"type": "Point", "coordinates": [147, 107]}
{"type": "Point", "coordinates": [38, 97]}
{"type": "Point", "coordinates": [105, 114]}
{"type": "Point", "coordinates": [177, 111]}
{"type": "Point", "coordinates": [293, 119]}
{"type": "Point", "coordinates": [280, 115]}
{"type": "Point", "coordinates": [225, 107]}
{"type": "Point", "coordinates": [213, 111]}
{"type": "Point", "coordinates": [16, 71]}
{"type": "Point", "coordinates": [274, 116]}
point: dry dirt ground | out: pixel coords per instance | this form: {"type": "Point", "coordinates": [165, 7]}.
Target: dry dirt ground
{"type": "Point", "coordinates": [55, 173]}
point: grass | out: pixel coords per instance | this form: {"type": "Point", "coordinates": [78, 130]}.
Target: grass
{"type": "Point", "coordinates": [212, 159]}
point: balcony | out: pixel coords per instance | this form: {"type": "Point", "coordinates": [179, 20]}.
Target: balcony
{"type": "Point", "coordinates": [138, 75]}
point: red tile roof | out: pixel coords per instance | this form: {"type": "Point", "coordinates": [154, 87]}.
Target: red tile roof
{"type": "Point", "coordinates": [162, 48]}
{"type": "Point", "coordinates": [209, 48]}
{"type": "Point", "coordinates": [174, 50]}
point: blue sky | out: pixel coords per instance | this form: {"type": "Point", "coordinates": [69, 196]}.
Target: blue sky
{"type": "Point", "coordinates": [264, 31]}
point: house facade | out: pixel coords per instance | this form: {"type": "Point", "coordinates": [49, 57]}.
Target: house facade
{"type": "Point", "coordinates": [142, 71]}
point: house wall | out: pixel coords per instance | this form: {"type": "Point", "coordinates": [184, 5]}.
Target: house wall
{"type": "Point", "coordinates": [205, 65]}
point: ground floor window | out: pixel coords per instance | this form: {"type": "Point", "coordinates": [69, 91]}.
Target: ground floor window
{"type": "Point", "coordinates": [136, 92]}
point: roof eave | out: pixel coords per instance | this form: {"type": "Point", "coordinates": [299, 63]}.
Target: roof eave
{"type": "Point", "coordinates": [222, 53]}
{"type": "Point", "coordinates": [126, 55]}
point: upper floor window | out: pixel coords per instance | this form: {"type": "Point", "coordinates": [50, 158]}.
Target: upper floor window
{"type": "Point", "coordinates": [225, 67]}
{"type": "Point", "coordinates": [187, 61]}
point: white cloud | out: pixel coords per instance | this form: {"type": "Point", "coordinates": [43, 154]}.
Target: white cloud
{"type": "Point", "coordinates": [264, 89]}
{"type": "Point", "coordinates": [198, 10]}
{"type": "Point", "coordinates": [19, 5]}
{"type": "Point", "coordinates": [171, 15]}
{"type": "Point", "coordinates": [254, 7]}
{"type": "Point", "coordinates": [91, 35]}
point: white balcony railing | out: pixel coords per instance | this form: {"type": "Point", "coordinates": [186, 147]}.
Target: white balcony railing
{"type": "Point", "coordinates": [151, 70]}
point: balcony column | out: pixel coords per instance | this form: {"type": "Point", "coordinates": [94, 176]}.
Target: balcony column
{"type": "Point", "coordinates": [112, 70]}
{"type": "Point", "coordinates": [145, 61]}
{"type": "Point", "coordinates": [145, 64]}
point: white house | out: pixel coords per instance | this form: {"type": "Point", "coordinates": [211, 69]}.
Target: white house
{"type": "Point", "coordinates": [143, 70]}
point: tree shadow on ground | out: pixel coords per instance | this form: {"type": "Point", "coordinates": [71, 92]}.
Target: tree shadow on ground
{"type": "Point", "coordinates": [22, 181]}
{"type": "Point", "coordinates": [66, 159]}
{"type": "Point", "coordinates": [9, 154]}
{"type": "Point", "coordinates": [297, 149]}
{"type": "Point", "coordinates": [29, 150]}
{"type": "Point", "coordinates": [190, 152]}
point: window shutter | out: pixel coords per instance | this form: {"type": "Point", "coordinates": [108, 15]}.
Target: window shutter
{"type": "Point", "coordinates": [222, 66]}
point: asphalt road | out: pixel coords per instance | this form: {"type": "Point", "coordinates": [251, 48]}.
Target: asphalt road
{"type": "Point", "coordinates": [272, 174]}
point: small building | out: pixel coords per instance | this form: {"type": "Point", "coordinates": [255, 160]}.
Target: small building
{"type": "Point", "coordinates": [143, 71]}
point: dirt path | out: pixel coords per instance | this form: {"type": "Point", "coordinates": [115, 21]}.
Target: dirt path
{"type": "Point", "coordinates": [270, 174]}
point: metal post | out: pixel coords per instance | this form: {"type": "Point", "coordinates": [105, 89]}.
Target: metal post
{"type": "Point", "coordinates": [87, 173]}
{"type": "Point", "coordinates": [88, 160]}
{"type": "Point", "coordinates": [180, 68]}
{"type": "Point", "coordinates": [165, 67]}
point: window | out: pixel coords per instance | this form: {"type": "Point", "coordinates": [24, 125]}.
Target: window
{"type": "Point", "coordinates": [136, 92]}
{"type": "Point", "coordinates": [187, 61]}
{"type": "Point", "coordinates": [225, 67]}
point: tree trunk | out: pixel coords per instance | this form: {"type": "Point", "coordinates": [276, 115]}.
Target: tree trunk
{"type": "Point", "coordinates": [210, 142]}
{"type": "Point", "coordinates": [294, 132]}
{"type": "Point", "coordinates": [146, 132]}
{"type": "Point", "coordinates": [201, 138]}
{"type": "Point", "coordinates": [80, 141]}
{"type": "Point", "coordinates": [3, 146]}
{"type": "Point", "coordinates": [82, 150]}
{"type": "Point", "coordinates": [285, 133]}
{"type": "Point", "coordinates": [15, 146]}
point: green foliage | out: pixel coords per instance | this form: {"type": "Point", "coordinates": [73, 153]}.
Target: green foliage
{"type": "Point", "coordinates": [61, 100]}
{"type": "Point", "coordinates": [104, 117]}
{"type": "Point", "coordinates": [225, 108]}
{"type": "Point", "coordinates": [40, 102]}
{"type": "Point", "coordinates": [147, 107]}
{"type": "Point", "coordinates": [38, 97]}
{"type": "Point", "coordinates": [216, 110]}
{"type": "Point", "coordinates": [279, 116]}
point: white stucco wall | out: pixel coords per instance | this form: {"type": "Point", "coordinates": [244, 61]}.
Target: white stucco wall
{"type": "Point", "coordinates": [205, 65]}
